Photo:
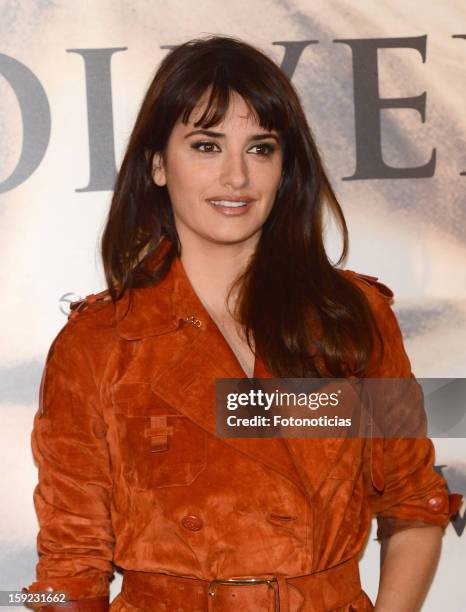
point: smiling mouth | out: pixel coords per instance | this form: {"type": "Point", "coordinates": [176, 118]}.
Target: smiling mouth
{"type": "Point", "coordinates": [230, 203]}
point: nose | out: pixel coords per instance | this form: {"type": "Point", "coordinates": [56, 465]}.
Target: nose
{"type": "Point", "coordinates": [234, 171]}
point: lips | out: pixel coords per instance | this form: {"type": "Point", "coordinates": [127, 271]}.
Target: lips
{"type": "Point", "coordinates": [230, 202]}
{"type": "Point", "coordinates": [231, 207]}
{"type": "Point", "coordinates": [225, 198]}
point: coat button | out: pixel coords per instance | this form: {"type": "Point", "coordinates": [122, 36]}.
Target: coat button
{"type": "Point", "coordinates": [436, 503]}
{"type": "Point", "coordinates": [192, 522]}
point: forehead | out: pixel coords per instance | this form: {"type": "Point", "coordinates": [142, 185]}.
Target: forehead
{"type": "Point", "coordinates": [238, 112]}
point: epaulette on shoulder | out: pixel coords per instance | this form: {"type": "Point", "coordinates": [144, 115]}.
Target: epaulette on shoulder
{"type": "Point", "coordinates": [374, 282]}
{"type": "Point", "coordinates": [80, 305]}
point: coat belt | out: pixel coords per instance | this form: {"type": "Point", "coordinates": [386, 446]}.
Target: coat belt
{"type": "Point", "coordinates": [322, 590]}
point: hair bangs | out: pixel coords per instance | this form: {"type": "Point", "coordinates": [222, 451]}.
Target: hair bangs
{"type": "Point", "coordinates": [266, 108]}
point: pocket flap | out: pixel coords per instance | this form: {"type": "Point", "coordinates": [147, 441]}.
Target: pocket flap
{"type": "Point", "coordinates": [135, 399]}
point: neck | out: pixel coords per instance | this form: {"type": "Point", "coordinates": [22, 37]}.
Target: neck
{"type": "Point", "coordinates": [212, 268]}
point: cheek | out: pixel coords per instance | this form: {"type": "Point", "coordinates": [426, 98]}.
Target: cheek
{"type": "Point", "coordinates": [269, 178]}
{"type": "Point", "coordinates": [187, 176]}
{"type": "Point", "coordinates": [182, 181]}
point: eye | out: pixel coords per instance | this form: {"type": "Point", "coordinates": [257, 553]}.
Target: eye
{"type": "Point", "coordinates": [264, 149]}
{"type": "Point", "coordinates": [204, 143]}
{"type": "Point", "coordinates": [207, 146]}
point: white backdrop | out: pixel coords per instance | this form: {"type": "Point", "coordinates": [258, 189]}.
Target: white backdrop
{"type": "Point", "coordinates": [72, 76]}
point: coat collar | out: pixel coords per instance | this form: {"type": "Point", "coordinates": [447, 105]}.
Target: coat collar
{"type": "Point", "coordinates": [155, 310]}
{"type": "Point", "coordinates": [205, 357]}
{"type": "Point", "coordinates": [164, 308]}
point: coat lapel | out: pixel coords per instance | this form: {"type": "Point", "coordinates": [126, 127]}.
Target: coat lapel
{"type": "Point", "coordinates": [186, 380]}
{"type": "Point", "coordinates": [312, 458]}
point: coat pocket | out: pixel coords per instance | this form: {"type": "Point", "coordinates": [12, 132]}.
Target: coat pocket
{"type": "Point", "coordinates": [160, 447]}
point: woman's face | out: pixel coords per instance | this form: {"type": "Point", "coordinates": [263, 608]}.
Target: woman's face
{"type": "Point", "coordinates": [222, 182]}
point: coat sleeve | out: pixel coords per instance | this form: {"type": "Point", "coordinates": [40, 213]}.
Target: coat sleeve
{"type": "Point", "coordinates": [404, 490]}
{"type": "Point", "coordinates": [72, 497]}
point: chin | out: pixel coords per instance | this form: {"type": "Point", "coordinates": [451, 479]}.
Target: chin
{"type": "Point", "coordinates": [231, 238]}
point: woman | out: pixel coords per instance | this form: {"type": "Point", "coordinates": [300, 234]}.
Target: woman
{"type": "Point", "coordinates": [215, 262]}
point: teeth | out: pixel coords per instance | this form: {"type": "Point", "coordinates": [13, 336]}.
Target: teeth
{"type": "Point", "coordinates": [227, 203]}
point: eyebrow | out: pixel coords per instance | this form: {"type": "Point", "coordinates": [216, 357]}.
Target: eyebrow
{"type": "Point", "coordinates": [213, 134]}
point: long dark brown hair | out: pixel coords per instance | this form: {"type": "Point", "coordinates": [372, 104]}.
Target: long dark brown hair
{"type": "Point", "coordinates": [290, 281]}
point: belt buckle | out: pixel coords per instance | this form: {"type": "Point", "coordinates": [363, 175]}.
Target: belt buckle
{"type": "Point", "coordinates": [267, 581]}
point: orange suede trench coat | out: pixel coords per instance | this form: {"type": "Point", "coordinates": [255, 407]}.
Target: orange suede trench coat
{"type": "Point", "coordinates": [131, 472]}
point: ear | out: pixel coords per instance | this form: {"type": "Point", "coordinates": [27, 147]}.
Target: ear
{"type": "Point", "coordinates": [158, 170]}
